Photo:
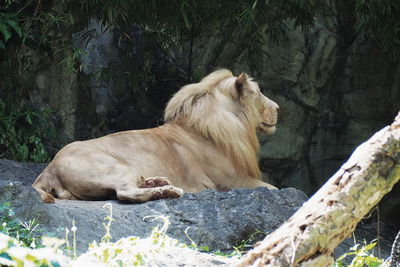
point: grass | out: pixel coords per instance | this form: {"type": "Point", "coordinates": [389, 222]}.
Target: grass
{"type": "Point", "coordinates": [18, 247]}
{"type": "Point", "coordinates": [129, 251]}
{"type": "Point", "coordinates": [361, 255]}
{"type": "Point", "coordinates": [24, 232]}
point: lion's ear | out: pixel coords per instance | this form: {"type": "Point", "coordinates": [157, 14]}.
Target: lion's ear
{"type": "Point", "coordinates": [239, 83]}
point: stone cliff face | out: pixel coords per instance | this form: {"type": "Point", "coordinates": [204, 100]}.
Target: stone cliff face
{"type": "Point", "coordinates": [333, 86]}
{"type": "Point", "coordinates": [332, 97]}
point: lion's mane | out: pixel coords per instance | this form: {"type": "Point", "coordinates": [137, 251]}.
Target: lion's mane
{"type": "Point", "coordinates": [196, 107]}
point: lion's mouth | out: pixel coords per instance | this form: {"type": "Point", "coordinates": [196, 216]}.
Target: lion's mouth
{"type": "Point", "coordinates": [267, 125]}
{"type": "Point", "coordinates": [267, 128]}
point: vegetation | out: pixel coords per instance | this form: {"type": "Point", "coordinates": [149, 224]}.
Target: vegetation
{"type": "Point", "coordinates": [361, 256]}
{"type": "Point", "coordinates": [8, 25]}
{"type": "Point", "coordinates": [22, 131]}
{"type": "Point", "coordinates": [23, 232]}
{"type": "Point", "coordinates": [17, 246]}
{"type": "Point", "coordinates": [380, 21]}
{"type": "Point", "coordinates": [182, 23]}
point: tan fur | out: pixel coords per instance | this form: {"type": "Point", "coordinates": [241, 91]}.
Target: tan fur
{"type": "Point", "coordinates": [208, 141]}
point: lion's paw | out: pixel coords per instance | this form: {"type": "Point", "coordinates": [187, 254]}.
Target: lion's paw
{"type": "Point", "coordinates": [48, 198]}
{"type": "Point", "coordinates": [168, 192]}
{"type": "Point", "coordinates": [150, 182]}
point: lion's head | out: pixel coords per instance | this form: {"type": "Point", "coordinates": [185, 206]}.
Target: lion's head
{"type": "Point", "coordinates": [264, 110]}
{"type": "Point", "coordinates": [227, 110]}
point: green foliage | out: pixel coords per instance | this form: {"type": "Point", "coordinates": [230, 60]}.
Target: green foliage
{"type": "Point", "coordinates": [8, 24]}
{"type": "Point", "coordinates": [69, 63]}
{"type": "Point", "coordinates": [361, 256]}
{"type": "Point", "coordinates": [381, 21]}
{"type": "Point", "coordinates": [182, 22]}
{"type": "Point", "coordinates": [22, 131]}
{"type": "Point", "coordinates": [23, 232]}
{"type": "Point", "coordinates": [183, 18]}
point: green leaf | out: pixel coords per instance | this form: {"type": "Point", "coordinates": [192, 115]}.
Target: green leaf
{"type": "Point", "coordinates": [370, 246]}
{"type": "Point", "coordinates": [204, 248]}
{"type": "Point", "coordinates": [6, 33]}
{"type": "Point", "coordinates": [254, 5]}
{"type": "Point", "coordinates": [28, 118]}
{"type": "Point", "coordinates": [184, 15]}
{"type": "Point", "coordinates": [14, 24]}
{"type": "Point", "coordinates": [24, 151]}
{"type": "Point", "coordinates": [30, 257]}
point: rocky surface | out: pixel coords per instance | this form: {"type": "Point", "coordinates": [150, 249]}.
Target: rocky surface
{"type": "Point", "coordinates": [218, 220]}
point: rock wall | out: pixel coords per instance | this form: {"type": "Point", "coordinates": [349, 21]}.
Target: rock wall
{"type": "Point", "coordinates": [334, 91]}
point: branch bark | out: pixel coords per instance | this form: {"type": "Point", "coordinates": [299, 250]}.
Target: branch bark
{"type": "Point", "coordinates": [395, 255]}
{"type": "Point", "coordinates": [309, 237]}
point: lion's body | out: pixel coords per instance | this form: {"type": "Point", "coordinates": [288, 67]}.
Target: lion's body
{"type": "Point", "coordinates": [209, 141]}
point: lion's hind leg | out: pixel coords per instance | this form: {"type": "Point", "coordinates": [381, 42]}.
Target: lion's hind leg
{"type": "Point", "coordinates": [41, 185]}
{"type": "Point", "coordinates": [56, 192]}
{"type": "Point", "coordinates": [63, 193]}
{"type": "Point", "coordinates": [46, 197]}
{"type": "Point", "coordinates": [49, 187]}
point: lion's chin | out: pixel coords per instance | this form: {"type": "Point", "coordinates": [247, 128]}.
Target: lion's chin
{"type": "Point", "coordinates": [265, 128]}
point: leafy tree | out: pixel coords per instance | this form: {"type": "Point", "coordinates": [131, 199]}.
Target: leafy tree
{"type": "Point", "coordinates": [380, 20]}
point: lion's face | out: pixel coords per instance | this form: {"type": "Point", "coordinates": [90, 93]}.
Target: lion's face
{"type": "Point", "coordinates": [265, 111]}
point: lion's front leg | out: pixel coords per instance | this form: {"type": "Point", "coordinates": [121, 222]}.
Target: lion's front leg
{"type": "Point", "coordinates": [149, 188]}
{"type": "Point", "coordinates": [147, 194]}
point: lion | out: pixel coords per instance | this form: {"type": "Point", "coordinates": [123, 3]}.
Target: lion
{"type": "Point", "coordinates": [209, 141]}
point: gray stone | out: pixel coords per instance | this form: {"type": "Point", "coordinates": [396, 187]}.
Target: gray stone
{"type": "Point", "coordinates": [99, 52]}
